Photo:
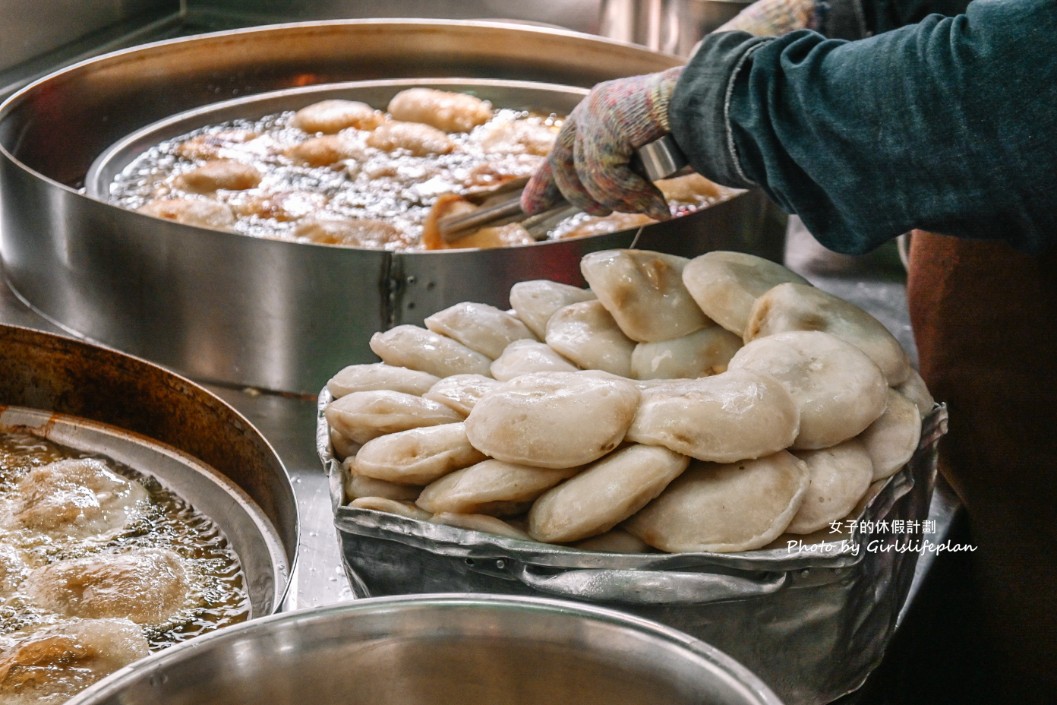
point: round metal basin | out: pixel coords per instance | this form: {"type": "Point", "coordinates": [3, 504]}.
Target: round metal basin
{"type": "Point", "coordinates": [275, 315]}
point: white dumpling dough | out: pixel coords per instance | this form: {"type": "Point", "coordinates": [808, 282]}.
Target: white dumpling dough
{"type": "Point", "coordinates": [535, 301]}
{"type": "Point", "coordinates": [418, 456]}
{"type": "Point", "coordinates": [644, 293]}
{"type": "Point", "coordinates": [733, 507]}
{"type": "Point", "coordinates": [361, 416]}
{"type": "Point", "coordinates": [420, 349]}
{"type": "Point", "coordinates": [699, 354]}
{"type": "Point", "coordinates": [914, 389]}
{"type": "Point", "coordinates": [480, 327]}
{"type": "Point", "coordinates": [525, 356]}
{"type": "Point", "coordinates": [604, 493]}
{"type": "Point", "coordinates": [730, 416]}
{"type": "Point", "coordinates": [553, 420]}
{"type": "Point", "coordinates": [378, 375]}
{"type": "Point", "coordinates": [586, 334]}
{"type": "Point", "coordinates": [490, 487]}
{"type": "Point", "coordinates": [839, 476]}
{"type": "Point", "coordinates": [726, 285]}
{"type": "Point", "coordinates": [892, 439]}
{"type": "Point", "coordinates": [840, 391]}
{"type": "Point", "coordinates": [461, 392]}
{"type": "Point", "coordinates": [403, 508]}
{"type": "Point", "coordinates": [480, 522]}
{"type": "Point", "coordinates": [357, 486]}
{"type": "Point", "coordinates": [792, 306]}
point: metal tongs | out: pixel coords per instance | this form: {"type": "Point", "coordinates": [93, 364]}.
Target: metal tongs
{"type": "Point", "coordinates": [657, 160]}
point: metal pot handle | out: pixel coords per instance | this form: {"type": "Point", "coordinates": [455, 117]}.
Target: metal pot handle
{"type": "Point", "coordinates": [649, 587]}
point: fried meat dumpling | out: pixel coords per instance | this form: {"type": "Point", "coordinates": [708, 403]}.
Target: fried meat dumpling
{"type": "Point", "coordinates": [840, 391]}
{"type": "Point", "coordinates": [553, 419]}
{"type": "Point", "coordinates": [490, 487]}
{"type": "Point", "coordinates": [362, 416]}
{"type": "Point", "coordinates": [726, 285]}
{"type": "Point", "coordinates": [200, 212]}
{"type": "Point", "coordinates": [461, 392]}
{"type": "Point", "coordinates": [792, 306]}
{"type": "Point", "coordinates": [892, 439]}
{"type": "Point", "coordinates": [536, 301]}
{"type": "Point", "coordinates": [524, 356]}
{"type": "Point", "coordinates": [839, 477]}
{"type": "Point", "coordinates": [12, 568]}
{"type": "Point", "coordinates": [444, 110]}
{"type": "Point", "coordinates": [417, 139]}
{"type": "Point", "coordinates": [334, 115]}
{"type": "Point", "coordinates": [418, 456]}
{"type": "Point", "coordinates": [644, 293]}
{"type": "Point", "coordinates": [78, 497]}
{"type": "Point", "coordinates": [604, 493]}
{"type": "Point", "coordinates": [322, 151]}
{"type": "Point", "coordinates": [52, 665]}
{"type": "Point", "coordinates": [699, 354]}
{"type": "Point", "coordinates": [731, 416]}
{"type": "Point", "coordinates": [349, 232]}
{"type": "Point", "coordinates": [733, 507]}
{"type": "Point", "coordinates": [420, 349]}
{"type": "Point", "coordinates": [379, 376]}
{"type": "Point", "coordinates": [217, 174]}
{"type": "Point", "coordinates": [480, 327]}
{"type": "Point", "coordinates": [588, 335]}
{"type": "Point", "coordinates": [147, 585]}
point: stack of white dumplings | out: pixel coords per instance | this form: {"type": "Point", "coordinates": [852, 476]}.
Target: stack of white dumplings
{"type": "Point", "coordinates": [707, 404]}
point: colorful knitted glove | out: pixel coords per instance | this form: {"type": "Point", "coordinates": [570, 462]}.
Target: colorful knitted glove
{"type": "Point", "coordinates": [771, 18]}
{"type": "Point", "coordinates": [590, 162]}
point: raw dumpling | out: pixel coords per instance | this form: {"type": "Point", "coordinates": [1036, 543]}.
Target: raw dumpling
{"type": "Point", "coordinates": [402, 508]}
{"type": "Point", "coordinates": [734, 507]}
{"type": "Point", "coordinates": [536, 301]}
{"type": "Point", "coordinates": [480, 327]}
{"type": "Point", "coordinates": [914, 389]}
{"type": "Point", "coordinates": [726, 285]}
{"type": "Point", "coordinates": [481, 522]}
{"type": "Point", "coordinates": [490, 487]}
{"type": "Point", "coordinates": [445, 110]}
{"type": "Point", "coordinates": [792, 306]}
{"type": "Point", "coordinates": [586, 334]}
{"type": "Point", "coordinates": [840, 477]}
{"type": "Point", "coordinates": [420, 349]}
{"type": "Point", "coordinates": [840, 391]}
{"type": "Point", "coordinates": [380, 376]}
{"type": "Point", "coordinates": [644, 293]}
{"type": "Point", "coordinates": [79, 497]}
{"type": "Point", "coordinates": [418, 456]}
{"type": "Point", "coordinates": [461, 392]}
{"type": "Point", "coordinates": [553, 419]}
{"type": "Point", "coordinates": [892, 439]}
{"type": "Point", "coordinates": [525, 356]}
{"type": "Point", "coordinates": [699, 354]}
{"type": "Point", "coordinates": [147, 585]}
{"type": "Point", "coordinates": [730, 416]}
{"type": "Point", "coordinates": [356, 485]}
{"type": "Point", "coordinates": [604, 493]}
{"type": "Point", "coordinates": [616, 540]}
{"type": "Point", "coordinates": [361, 416]}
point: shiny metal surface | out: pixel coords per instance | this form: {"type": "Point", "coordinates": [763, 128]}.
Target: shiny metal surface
{"type": "Point", "coordinates": [56, 374]}
{"type": "Point", "coordinates": [250, 534]}
{"type": "Point", "coordinates": [440, 649]}
{"type": "Point", "coordinates": [781, 612]}
{"type": "Point", "coordinates": [669, 26]}
{"type": "Point", "coordinates": [270, 314]}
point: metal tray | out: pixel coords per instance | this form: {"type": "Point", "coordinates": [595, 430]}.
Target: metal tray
{"type": "Point", "coordinates": [812, 624]}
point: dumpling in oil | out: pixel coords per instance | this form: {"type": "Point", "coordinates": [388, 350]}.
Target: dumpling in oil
{"type": "Point", "coordinates": [147, 586]}
{"type": "Point", "coordinates": [200, 212]}
{"type": "Point", "coordinates": [217, 174]}
{"type": "Point", "coordinates": [79, 498]}
{"type": "Point", "coordinates": [517, 137]}
{"type": "Point", "coordinates": [444, 110]}
{"type": "Point", "coordinates": [335, 115]}
{"type": "Point", "coordinates": [12, 568]}
{"type": "Point", "coordinates": [416, 139]}
{"type": "Point", "coordinates": [322, 151]}
{"type": "Point", "coordinates": [369, 233]}
{"type": "Point", "coordinates": [644, 293]}
{"type": "Point", "coordinates": [49, 666]}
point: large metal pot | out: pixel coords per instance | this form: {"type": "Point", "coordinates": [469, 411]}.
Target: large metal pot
{"type": "Point", "coordinates": [444, 650]}
{"type": "Point", "coordinates": [269, 314]}
{"type": "Point", "coordinates": [159, 423]}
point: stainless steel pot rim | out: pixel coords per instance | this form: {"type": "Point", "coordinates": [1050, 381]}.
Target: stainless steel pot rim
{"type": "Point", "coordinates": [704, 654]}
{"type": "Point", "coordinates": [248, 531]}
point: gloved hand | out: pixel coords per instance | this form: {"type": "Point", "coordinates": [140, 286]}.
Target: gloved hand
{"type": "Point", "coordinates": [590, 161]}
{"type": "Point", "coordinates": [771, 18]}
